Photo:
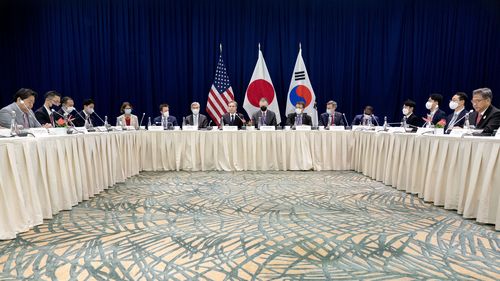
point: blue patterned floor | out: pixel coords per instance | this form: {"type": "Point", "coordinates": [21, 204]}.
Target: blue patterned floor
{"type": "Point", "coordinates": [253, 225]}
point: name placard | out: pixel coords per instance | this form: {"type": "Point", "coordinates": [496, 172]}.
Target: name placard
{"type": "Point", "coordinates": [396, 130]}
{"type": "Point", "coordinates": [39, 132]}
{"type": "Point", "coordinates": [189, 128]}
{"type": "Point", "coordinates": [267, 128]}
{"type": "Point", "coordinates": [155, 128]}
{"type": "Point", "coordinates": [336, 128]}
{"type": "Point", "coordinates": [230, 128]}
{"type": "Point", "coordinates": [421, 131]}
{"type": "Point", "coordinates": [303, 128]}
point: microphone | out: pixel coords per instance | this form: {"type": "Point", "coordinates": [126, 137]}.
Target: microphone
{"type": "Point", "coordinates": [347, 123]}
{"type": "Point", "coordinates": [376, 121]}
{"type": "Point", "coordinates": [98, 117]}
{"type": "Point", "coordinates": [142, 119]}
{"type": "Point", "coordinates": [30, 113]}
{"type": "Point", "coordinates": [209, 127]}
{"type": "Point", "coordinates": [460, 119]}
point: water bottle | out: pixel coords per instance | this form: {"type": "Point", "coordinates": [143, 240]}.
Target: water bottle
{"type": "Point", "coordinates": [106, 124]}
{"type": "Point", "coordinates": [385, 123]}
{"type": "Point", "coordinates": [222, 123]}
{"type": "Point", "coordinates": [149, 122]}
{"type": "Point", "coordinates": [164, 123]}
{"type": "Point", "coordinates": [329, 121]}
{"type": "Point", "coordinates": [183, 121]}
{"type": "Point", "coordinates": [14, 130]}
{"type": "Point", "coordinates": [260, 122]}
{"type": "Point", "coordinates": [467, 122]}
{"type": "Point", "coordinates": [405, 126]}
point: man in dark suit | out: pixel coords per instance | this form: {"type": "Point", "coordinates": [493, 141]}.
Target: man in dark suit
{"type": "Point", "coordinates": [232, 118]}
{"type": "Point", "coordinates": [86, 117]}
{"type": "Point", "coordinates": [298, 117]}
{"type": "Point", "coordinates": [44, 114]}
{"type": "Point", "coordinates": [485, 116]}
{"type": "Point", "coordinates": [435, 113]}
{"type": "Point", "coordinates": [337, 119]}
{"type": "Point", "coordinates": [196, 118]}
{"type": "Point", "coordinates": [264, 115]}
{"type": "Point", "coordinates": [165, 115]}
{"type": "Point", "coordinates": [412, 120]}
{"type": "Point", "coordinates": [366, 117]}
{"type": "Point", "coordinates": [456, 119]}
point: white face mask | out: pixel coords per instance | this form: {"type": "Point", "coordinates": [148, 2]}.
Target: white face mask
{"type": "Point", "coordinates": [428, 105]}
{"type": "Point", "coordinates": [70, 109]}
{"type": "Point", "coordinates": [405, 111]}
{"type": "Point", "coordinates": [165, 114]}
{"type": "Point", "coordinates": [89, 111]}
{"type": "Point", "coordinates": [127, 111]}
{"type": "Point", "coordinates": [195, 111]}
{"type": "Point", "coordinates": [453, 105]}
{"type": "Point", "coordinates": [298, 110]}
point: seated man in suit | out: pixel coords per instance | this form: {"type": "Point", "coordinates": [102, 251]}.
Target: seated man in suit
{"type": "Point", "coordinates": [86, 117]}
{"type": "Point", "coordinates": [456, 119]}
{"type": "Point", "coordinates": [366, 118]}
{"type": "Point", "coordinates": [435, 114]}
{"type": "Point", "coordinates": [485, 116]}
{"type": "Point", "coordinates": [264, 115]}
{"type": "Point", "coordinates": [24, 99]}
{"type": "Point", "coordinates": [326, 117]}
{"type": "Point", "coordinates": [44, 114]}
{"type": "Point", "coordinates": [298, 117]}
{"type": "Point", "coordinates": [165, 119]}
{"type": "Point", "coordinates": [411, 119]}
{"type": "Point", "coordinates": [127, 118]}
{"type": "Point", "coordinates": [196, 118]}
{"type": "Point", "coordinates": [67, 109]}
{"type": "Point", "coordinates": [232, 118]}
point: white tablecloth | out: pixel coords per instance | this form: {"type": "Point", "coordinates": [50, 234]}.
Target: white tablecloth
{"type": "Point", "coordinates": [42, 176]}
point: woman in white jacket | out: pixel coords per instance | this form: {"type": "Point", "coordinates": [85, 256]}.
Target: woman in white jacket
{"type": "Point", "coordinates": [127, 118]}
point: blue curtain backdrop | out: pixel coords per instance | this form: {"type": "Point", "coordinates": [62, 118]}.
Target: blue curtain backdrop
{"type": "Point", "coordinates": [151, 51]}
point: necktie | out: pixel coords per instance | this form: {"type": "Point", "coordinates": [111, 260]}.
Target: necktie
{"type": "Point", "coordinates": [195, 120]}
{"type": "Point", "coordinates": [478, 119]}
{"type": "Point", "coordinates": [299, 122]}
{"type": "Point", "coordinates": [453, 120]}
{"type": "Point", "coordinates": [232, 119]}
{"type": "Point", "coordinates": [333, 120]}
{"type": "Point", "coordinates": [52, 119]}
{"type": "Point", "coordinates": [263, 118]}
{"type": "Point", "coordinates": [26, 120]}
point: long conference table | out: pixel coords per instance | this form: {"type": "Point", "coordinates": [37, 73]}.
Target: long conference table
{"type": "Point", "coordinates": [41, 176]}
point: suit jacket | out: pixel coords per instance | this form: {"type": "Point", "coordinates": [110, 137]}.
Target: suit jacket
{"type": "Point", "coordinates": [290, 119]}
{"type": "Point", "coordinates": [202, 121]}
{"type": "Point", "coordinates": [170, 119]}
{"type": "Point", "coordinates": [80, 122]}
{"type": "Point", "coordinates": [440, 114]}
{"type": "Point", "coordinates": [5, 116]}
{"type": "Point", "coordinates": [358, 120]}
{"type": "Point", "coordinates": [338, 119]}
{"type": "Point", "coordinates": [457, 124]}
{"type": "Point", "coordinates": [414, 121]}
{"type": "Point", "coordinates": [237, 121]}
{"type": "Point", "coordinates": [270, 118]}
{"type": "Point", "coordinates": [43, 116]}
{"type": "Point", "coordinates": [489, 122]}
{"type": "Point", "coordinates": [134, 121]}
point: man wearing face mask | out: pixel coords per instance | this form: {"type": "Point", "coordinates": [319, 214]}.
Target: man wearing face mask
{"type": "Point", "coordinates": [412, 120]}
{"type": "Point", "coordinates": [455, 119]}
{"type": "Point", "coordinates": [86, 116]}
{"type": "Point", "coordinates": [67, 108]}
{"type": "Point", "coordinates": [127, 118]}
{"type": "Point", "coordinates": [435, 114]}
{"type": "Point", "coordinates": [298, 117]}
{"type": "Point", "coordinates": [485, 115]}
{"type": "Point", "coordinates": [331, 116]}
{"type": "Point", "coordinates": [264, 115]}
{"type": "Point", "coordinates": [366, 118]}
{"type": "Point", "coordinates": [165, 119]}
{"type": "Point", "coordinates": [197, 119]}
{"type": "Point", "coordinates": [44, 114]}
{"type": "Point", "coordinates": [21, 107]}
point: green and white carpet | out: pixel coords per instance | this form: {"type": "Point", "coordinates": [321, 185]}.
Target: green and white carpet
{"type": "Point", "coordinates": [253, 225]}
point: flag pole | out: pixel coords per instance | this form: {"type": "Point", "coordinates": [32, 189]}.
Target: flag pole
{"type": "Point", "coordinates": [259, 46]}
{"type": "Point", "coordinates": [220, 46]}
{"type": "Point", "coordinates": [300, 46]}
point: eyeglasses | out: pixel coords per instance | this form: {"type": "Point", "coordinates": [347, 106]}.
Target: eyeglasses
{"type": "Point", "coordinates": [475, 101]}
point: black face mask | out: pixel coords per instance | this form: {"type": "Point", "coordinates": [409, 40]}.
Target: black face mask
{"type": "Point", "coordinates": [263, 108]}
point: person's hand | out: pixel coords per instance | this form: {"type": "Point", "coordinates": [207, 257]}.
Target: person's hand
{"type": "Point", "coordinates": [47, 125]}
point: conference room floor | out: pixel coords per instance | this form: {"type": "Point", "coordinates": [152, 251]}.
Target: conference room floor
{"type": "Point", "coordinates": [262, 225]}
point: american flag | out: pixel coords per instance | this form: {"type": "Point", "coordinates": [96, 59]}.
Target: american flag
{"type": "Point", "coordinates": [220, 93]}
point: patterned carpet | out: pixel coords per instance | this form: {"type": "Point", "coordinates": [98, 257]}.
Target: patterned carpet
{"type": "Point", "coordinates": [253, 225]}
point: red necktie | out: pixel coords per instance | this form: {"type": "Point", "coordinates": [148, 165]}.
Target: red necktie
{"type": "Point", "coordinates": [478, 119]}
{"type": "Point", "coordinates": [333, 120]}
